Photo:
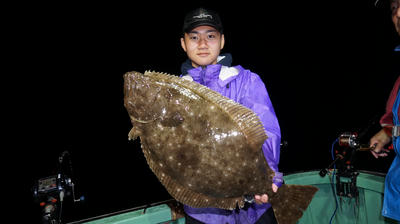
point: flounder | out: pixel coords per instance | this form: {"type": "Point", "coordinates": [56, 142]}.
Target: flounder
{"type": "Point", "coordinates": [203, 147]}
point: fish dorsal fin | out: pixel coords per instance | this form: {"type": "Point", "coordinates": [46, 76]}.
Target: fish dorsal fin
{"type": "Point", "coordinates": [248, 122]}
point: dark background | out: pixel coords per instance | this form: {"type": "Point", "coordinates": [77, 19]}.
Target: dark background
{"type": "Point", "coordinates": [328, 67]}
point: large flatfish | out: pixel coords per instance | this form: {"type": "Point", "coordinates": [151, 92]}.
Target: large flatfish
{"type": "Point", "coordinates": [203, 147]}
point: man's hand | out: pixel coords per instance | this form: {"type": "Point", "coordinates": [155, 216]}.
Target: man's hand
{"type": "Point", "coordinates": [378, 141]}
{"type": "Point", "coordinates": [264, 198]}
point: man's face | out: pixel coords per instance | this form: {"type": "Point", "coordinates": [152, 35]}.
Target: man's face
{"type": "Point", "coordinates": [203, 45]}
{"type": "Point", "coordinates": [395, 6]}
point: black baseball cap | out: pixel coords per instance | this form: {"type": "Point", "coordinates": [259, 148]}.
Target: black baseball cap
{"type": "Point", "coordinates": [202, 17]}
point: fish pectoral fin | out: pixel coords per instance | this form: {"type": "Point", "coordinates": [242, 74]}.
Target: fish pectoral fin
{"type": "Point", "coordinates": [134, 133]}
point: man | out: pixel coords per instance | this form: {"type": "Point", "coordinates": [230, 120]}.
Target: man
{"type": "Point", "coordinates": [396, 17]}
{"type": "Point", "coordinates": [396, 14]}
{"type": "Point", "coordinates": [390, 123]}
{"type": "Point", "coordinates": [202, 41]}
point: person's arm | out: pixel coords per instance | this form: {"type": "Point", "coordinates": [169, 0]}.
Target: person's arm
{"type": "Point", "coordinates": [387, 118]}
{"type": "Point", "coordinates": [383, 137]}
{"type": "Point", "coordinates": [257, 99]}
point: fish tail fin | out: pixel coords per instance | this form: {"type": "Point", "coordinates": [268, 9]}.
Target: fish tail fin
{"type": "Point", "coordinates": [291, 201]}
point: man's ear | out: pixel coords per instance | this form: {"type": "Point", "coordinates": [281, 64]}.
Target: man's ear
{"type": "Point", "coordinates": [222, 41]}
{"type": "Point", "coordinates": [183, 45]}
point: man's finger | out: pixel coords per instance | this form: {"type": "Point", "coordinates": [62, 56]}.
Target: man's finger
{"type": "Point", "coordinates": [374, 154]}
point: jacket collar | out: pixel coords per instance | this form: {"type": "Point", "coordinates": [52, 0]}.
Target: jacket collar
{"type": "Point", "coordinates": [221, 74]}
{"type": "Point", "coordinates": [227, 74]}
{"type": "Point", "coordinates": [224, 59]}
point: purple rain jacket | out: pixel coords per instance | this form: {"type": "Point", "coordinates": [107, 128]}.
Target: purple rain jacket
{"type": "Point", "coordinates": [248, 89]}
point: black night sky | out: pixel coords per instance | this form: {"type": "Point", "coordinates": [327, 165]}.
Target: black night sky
{"type": "Point", "coordinates": [328, 67]}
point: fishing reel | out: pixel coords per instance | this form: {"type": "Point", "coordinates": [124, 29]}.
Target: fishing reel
{"type": "Point", "coordinates": [344, 156]}
{"type": "Point", "coordinates": [349, 139]}
{"type": "Point", "coordinates": [349, 143]}
{"type": "Point", "coordinates": [49, 192]}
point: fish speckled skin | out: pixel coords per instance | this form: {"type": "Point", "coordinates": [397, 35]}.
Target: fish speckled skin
{"type": "Point", "coordinates": [203, 147]}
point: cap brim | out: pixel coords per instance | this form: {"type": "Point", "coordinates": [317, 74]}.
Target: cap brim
{"type": "Point", "coordinates": [202, 23]}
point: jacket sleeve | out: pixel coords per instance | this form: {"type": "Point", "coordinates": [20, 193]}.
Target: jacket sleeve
{"type": "Point", "coordinates": [256, 98]}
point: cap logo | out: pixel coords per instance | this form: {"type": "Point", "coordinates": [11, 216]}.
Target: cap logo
{"type": "Point", "coordinates": [201, 16]}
